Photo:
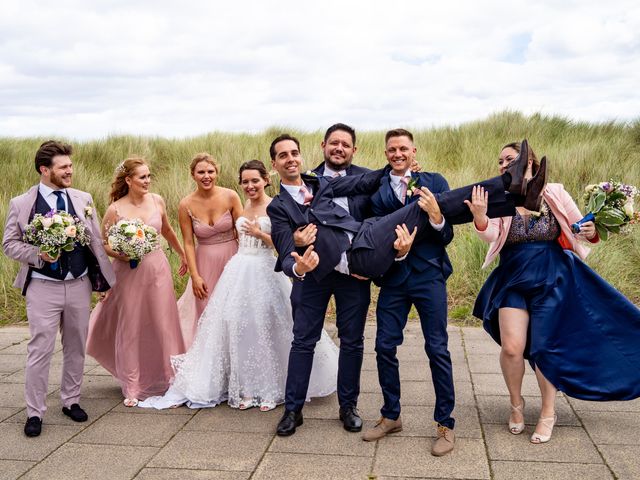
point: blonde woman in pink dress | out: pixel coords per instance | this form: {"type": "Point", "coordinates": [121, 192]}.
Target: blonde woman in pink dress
{"type": "Point", "coordinates": [135, 329]}
{"type": "Point", "coordinates": [207, 220]}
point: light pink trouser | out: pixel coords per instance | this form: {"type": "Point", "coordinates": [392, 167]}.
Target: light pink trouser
{"type": "Point", "coordinates": [51, 306]}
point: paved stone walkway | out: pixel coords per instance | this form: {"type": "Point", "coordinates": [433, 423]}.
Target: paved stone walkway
{"type": "Point", "coordinates": [592, 440]}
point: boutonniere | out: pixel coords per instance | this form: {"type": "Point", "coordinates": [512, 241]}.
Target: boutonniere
{"type": "Point", "coordinates": [88, 210]}
{"type": "Point", "coordinates": [412, 186]}
{"type": "Point", "coordinates": [311, 173]}
{"type": "Point", "coordinates": [544, 209]}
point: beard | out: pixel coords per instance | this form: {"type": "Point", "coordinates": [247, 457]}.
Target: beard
{"type": "Point", "coordinates": [59, 181]}
{"type": "Point", "coordinates": [337, 167]}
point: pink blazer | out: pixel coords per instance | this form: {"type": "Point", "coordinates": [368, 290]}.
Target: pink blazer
{"type": "Point", "coordinates": [18, 218]}
{"type": "Point", "coordinates": [563, 208]}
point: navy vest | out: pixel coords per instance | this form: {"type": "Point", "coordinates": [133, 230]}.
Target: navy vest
{"type": "Point", "coordinates": [74, 261]}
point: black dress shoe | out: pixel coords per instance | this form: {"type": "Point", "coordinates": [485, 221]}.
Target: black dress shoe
{"type": "Point", "coordinates": [76, 413]}
{"type": "Point", "coordinates": [33, 427]}
{"type": "Point", "coordinates": [288, 423]}
{"type": "Point", "coordinates": [350, 419]}
{"type": "Point", "coordinates": [517, 169]}
{"type": "Point", "coordinates": [535, 187]}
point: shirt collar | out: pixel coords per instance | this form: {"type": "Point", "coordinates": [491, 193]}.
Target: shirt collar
{"type": "Point", "coordinates": [329, 172]}
{"type": "Point", "coordinates": [395, 179]}
{"type": "Point", "coordinates": [46, 190]}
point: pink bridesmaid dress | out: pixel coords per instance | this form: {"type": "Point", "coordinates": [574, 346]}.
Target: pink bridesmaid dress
{"type": "Point", "coordinates": [134, 332]}
{"type": "Point", "coordinates": [216, 244]}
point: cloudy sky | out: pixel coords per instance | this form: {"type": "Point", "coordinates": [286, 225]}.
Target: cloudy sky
{"type": "Point", "coordinates": [181, 68]}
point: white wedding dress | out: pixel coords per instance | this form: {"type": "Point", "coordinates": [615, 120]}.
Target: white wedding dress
{"type": "Point", "coordinates": [241, 348]}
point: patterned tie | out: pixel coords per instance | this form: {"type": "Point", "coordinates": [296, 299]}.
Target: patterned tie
{"type": "Point", "coordinates": [307, 195]}
{"type": "Point", "coordinates": [404, 182]}
{"type": "Point", "coordinates": [335, 174]}
{"type": "Point", "coordinates": [60, 205]}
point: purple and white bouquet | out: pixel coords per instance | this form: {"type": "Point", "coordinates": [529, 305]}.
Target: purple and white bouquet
{"type": "Point", "coordinates": [132, 238]}
{"type": "Point", "coordinates": [610, 206]}
{"type": "Point", "coordinates": [55, 232]}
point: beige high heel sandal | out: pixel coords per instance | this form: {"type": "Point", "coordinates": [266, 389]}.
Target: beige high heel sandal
{"type": "Point", "coordinates": [548, 422]}
{"type": "Point", "coordinates": [517, 428]}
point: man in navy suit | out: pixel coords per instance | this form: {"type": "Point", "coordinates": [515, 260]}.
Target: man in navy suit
{"type": "Point", "coordinates": [419, 280]}
{"type": "Point", "coordinates": [352, 294]}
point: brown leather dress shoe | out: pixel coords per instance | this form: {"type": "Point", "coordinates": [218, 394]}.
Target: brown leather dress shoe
{"type": "Point", "coordinates": [517, 169]}
{"type": "Point", "coordinates": [444, 443]}
{"type": "Point", "coordinates": [535, 187]}
{"type": "Point", "coordinates": [382, 428]}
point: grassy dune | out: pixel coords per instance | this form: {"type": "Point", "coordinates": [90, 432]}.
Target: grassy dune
{"type": "Point", "coordinates": [579, 154]}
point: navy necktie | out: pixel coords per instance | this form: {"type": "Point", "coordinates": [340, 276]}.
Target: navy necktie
{"type": "Point", "coordinates": [60, 205]}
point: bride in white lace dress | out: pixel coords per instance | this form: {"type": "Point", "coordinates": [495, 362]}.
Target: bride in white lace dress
{"type": "Point", "coordinates": [241, 349]}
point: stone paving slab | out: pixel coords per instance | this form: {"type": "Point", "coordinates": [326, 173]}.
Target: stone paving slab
{"type": "Point", "coordinates": [73, 460]}
{"type": "Point", "coordinates": [548, 470]}
{"type": "Point", "coordinates": [12, 469]}
{"type": "Point", "coordinates": [277, 466]}
{"type": "Point", "coordinates": [593, 440]}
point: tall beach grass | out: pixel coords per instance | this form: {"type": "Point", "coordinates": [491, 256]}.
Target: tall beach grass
{"type": "Point", "coordinates": [579, 153]}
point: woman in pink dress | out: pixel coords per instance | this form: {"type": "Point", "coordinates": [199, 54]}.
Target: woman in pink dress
{"type": "Point", "coordinates": [135, 329]}
{"type": "Point", "coordinates": [207, 216]}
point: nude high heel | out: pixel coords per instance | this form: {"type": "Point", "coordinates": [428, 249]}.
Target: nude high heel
{"type": "Point", "coordinates": [517, 428]}
{"type": "Point", "coordinates": [548, 422]}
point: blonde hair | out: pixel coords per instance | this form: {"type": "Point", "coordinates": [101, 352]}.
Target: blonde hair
{"type": "Point", "coordinates": [119, 187]}
{"type": "Point", "coordinates": [203, 157]}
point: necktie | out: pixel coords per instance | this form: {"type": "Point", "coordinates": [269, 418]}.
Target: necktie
{"type": "Point", "coordinates": [307, 195]}
{"type": "Point", "coordinates": [60, 205]}
{"type": "Point", "coordinates": [335, 174]}
{"type": "Point", "coordinates": [404, 182]}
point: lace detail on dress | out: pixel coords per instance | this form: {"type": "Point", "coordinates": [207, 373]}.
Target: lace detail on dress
{"type": "Point", "coordinates": [252, 245]}
{"type": "Point", "coordinates": [530, 228]}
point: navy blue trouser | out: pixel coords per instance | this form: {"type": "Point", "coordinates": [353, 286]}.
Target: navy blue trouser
{"type": "Point", "coordinates": [430, 298]}
{"type": "Point", "coordinates": [309, 300]}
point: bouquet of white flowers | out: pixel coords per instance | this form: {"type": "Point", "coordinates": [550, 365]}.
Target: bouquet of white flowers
{"type": "Point", "coordinates": [55, 232]}
{"type": "Point", "coordinates": [610, 207]}
{"type": "Point", "coordinates": [132, 238]}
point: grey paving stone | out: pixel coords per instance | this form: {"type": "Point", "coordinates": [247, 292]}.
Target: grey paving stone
{"type": "Point", "coordinates": [73, 460]}
{"type": "Point", "coordinates": [96, 370]}
{"type": "Point", "coordinates": [420, 371]}
{"type": "Point", "coordinates": [95, 408]}
{"type": "Point", "coordinates": [624, 460]}
{"type": "Point", "coordinates": [421, 393]}
{"type": "Point", "coordinates": [493, 384]}
{"type": "Point", "coordinates": [411, 457]}
{"type": "Point", "coordinates": [369, 362]}
{"type": "Point", "coordinates": [133, 429]}
{"type": "Point", "coordinates": [7, 412]}
{"type": "Point", "coordinates": [627, 406]}
{"type": "Point", "coordinates": [182, 474]}
{"type": "Point", "coordinates": [55, 375]}
{"type": "Point", "coordinates": [99, 386]}
{"type": "Point", "coordinates": [575, 446]}
{"type": "Point", "coordinates": [12, 363]}
{"type": "Point", "coordinates": [617, 428]}
{"type": "Point", "coordinates": [12, 469]}
{"type": "Point", "coordinates": [225, 419]}
{"type": "Point", "coordinates": [326, 437]}
{"type": "Point", "coordinates": [495, 409]}
{"type": "Point", "coordinates": [484, 363]}
{"type": "Point", "coordinates": [16, 446]}
{"type": "Point", "coordinates": [548, 471]}
{"type": "Point", "coordinates": [278, 466]}
{"type": "Point", "coordinates": [13, 343]}
{"type": "Point", "coordinates": [182, 410]}
{"type": "Point", "coordinates": [482, 347]}
{"type": "Point", "coordinates": [213, 451]}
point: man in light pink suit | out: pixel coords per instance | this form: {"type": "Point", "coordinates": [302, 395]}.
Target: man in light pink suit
{"type": "Point", "coordinates": [57, 290]}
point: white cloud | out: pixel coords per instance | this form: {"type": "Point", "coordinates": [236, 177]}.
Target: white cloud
{"type": "Point", "coordinates": [184, 68]}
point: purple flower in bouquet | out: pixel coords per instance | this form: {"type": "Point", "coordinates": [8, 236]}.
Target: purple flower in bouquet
{"type": "Point", "coordinates": [612, 206]}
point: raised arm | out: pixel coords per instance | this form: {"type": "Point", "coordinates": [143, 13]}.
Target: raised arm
{"type": "Point", "coordinates": [365, 183]}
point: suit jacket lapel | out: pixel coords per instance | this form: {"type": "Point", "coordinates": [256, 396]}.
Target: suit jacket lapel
{"type": "Point", "coordinates": [291, 206]}
{"type": "Point", "coordinates": [389, 198]}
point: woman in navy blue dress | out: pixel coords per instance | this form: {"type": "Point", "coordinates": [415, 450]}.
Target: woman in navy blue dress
{"type": "Point", "coordinates": [544, 304]}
